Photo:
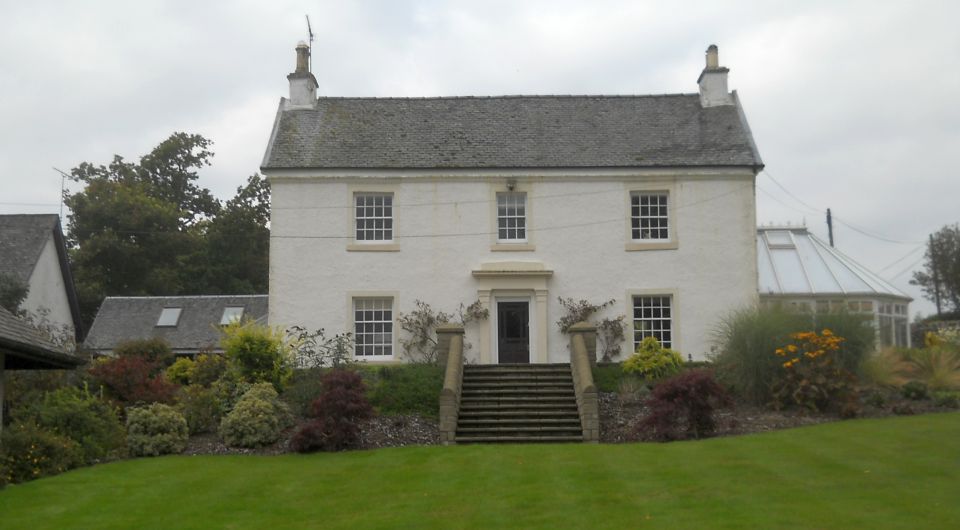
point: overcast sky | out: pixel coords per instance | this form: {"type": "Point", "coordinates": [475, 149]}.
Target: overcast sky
{"type": "Point", "coordinates": [853, 105]}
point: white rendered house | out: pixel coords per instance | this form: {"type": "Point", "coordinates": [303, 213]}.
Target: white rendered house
{"type": "Point", "coordinates": [514, 201]}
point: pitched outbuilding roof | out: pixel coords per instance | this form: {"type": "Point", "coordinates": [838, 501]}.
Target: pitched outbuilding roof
{"type": "Point", "coordinates": [196, 326]}
{"type": "Point", "coordinates": [792, 261]}
{"type": "Point", "coordinates": [22, 238]}
{"type": "Point", "coordinates": [26, 348]}
{"type": "Point", "coordinates": [511, 132]}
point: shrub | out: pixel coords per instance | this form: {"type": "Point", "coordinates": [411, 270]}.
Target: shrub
{"type": "Point", "coordinates": [229, 388]}
{"type": "Point", "coordinates": [156, 430]}
{"type": "Point", "coordinates": [883, 368]}
{"type": "Point", "coordinates": [154, 349]}
{"type": "Point", "coordinates": [257, 419]}
{"type": "Point", "coordinates": [915, 390]}
{"type": "Point", "coordinates": [207, 368]}
{"type": "Point", "coordinates": [812, 375]}
{"type": "Point", "coordinates": [303, 389]}
{"type": "Point", "coordinates": [133, 379]}
{"type": "Point", "coordinates": [181, 371]}
{"type": "Point", "coordinates": [947, 398]}
{"type": "Point", "coordinates": [937, 366]}
{"type": "Point", "coordinates": [258, 352]}
{"type": "Point", "coordinates": [683, 406]}
{"type": "Point", "coordinates": [745, 339]}
{"type": "Point", "coordinates": [200, 406]}
{"type": "Point", "coordinates": [632, 390]}
{"type": "Point", "coordinates": [28, 451]}
{"type": "Point", "coordinates": [653, 361]}
{"type": "Point", "coordinates": [607, 376]}
{"type": "Point", "coordinates": [406, 389]}
{"type": "Point", "coordinates": [338, 411]}
{"type": "Point", "coordinates": [84, 418]}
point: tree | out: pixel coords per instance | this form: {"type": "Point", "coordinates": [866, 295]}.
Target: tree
{"type": "Point", "coordinates": [941, 274]}
{"type": "Point", "coordinates": [148, 228]}
{"type": "Point", "coordinates": [12, 292]}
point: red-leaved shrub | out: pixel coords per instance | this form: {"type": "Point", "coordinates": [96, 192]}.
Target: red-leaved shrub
{"type": "Point", "coordinates": [338, 411]}
{"type": "Point", "coordinates": [134, 379]}
{"type": "Point", "coordinates": [682, 407]}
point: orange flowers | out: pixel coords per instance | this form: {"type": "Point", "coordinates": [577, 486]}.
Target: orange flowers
{"type": "Point", "coordinates": [808, 345]}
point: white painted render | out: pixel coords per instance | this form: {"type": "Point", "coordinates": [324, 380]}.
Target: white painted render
{"type": "Point", "coordinates": [47, 289]}
{"type": "Point", "coordinates": [579, 235]}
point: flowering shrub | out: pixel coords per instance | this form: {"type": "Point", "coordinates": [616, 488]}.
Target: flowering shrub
{"type": "Point", "coordinates": [653, 361]}
{"type": "Point", "coordinates": [682, 407]}
{"type": "Point", "coordinates": [811, 377]}
{"type": "Point", "coordinates": [28, 451]}
{"type": "Point", "coordinates": [156, 430]}
{"type": "Point", "coordinates": [133, 379]}
{"type": "Point", "coordinates": [338, 411]}
{"type": "Point", "coordinates": [257, 419]}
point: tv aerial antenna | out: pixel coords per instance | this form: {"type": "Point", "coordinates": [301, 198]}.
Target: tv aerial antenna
{"type": "Point", "coordinates": [310, 33]}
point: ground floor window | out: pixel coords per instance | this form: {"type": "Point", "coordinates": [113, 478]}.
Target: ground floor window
{"type": "Point", "coordinates": [373, 327]}
{"type": "Point", "coordinates": [892, 319]}
{"type": "Point", "coordinates": [653, 317]}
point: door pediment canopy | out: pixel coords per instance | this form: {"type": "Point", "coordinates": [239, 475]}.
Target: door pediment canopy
{"type": "Point", "coordinates": [512, 269]}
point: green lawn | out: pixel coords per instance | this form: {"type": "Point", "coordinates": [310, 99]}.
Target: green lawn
{"type": "Point", "coordinates": [892, 473]}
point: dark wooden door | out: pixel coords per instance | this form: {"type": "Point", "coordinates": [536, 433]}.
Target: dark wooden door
{"type": "Point", "coordinates": [513, 332]}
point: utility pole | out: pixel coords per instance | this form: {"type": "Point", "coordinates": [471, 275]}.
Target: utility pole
{"type": "Point", "coordinates": [936, 277]}
{"type": "Point", "coordinates": [830, 226]}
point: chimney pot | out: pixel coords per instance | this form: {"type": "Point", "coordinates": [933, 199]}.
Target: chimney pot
{"type": "Point", "coordinates": [713, 81]}
{"type": "Point", "coordinates": [303, 86]}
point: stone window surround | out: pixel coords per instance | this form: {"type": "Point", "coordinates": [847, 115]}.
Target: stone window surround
{"type": "Point", "coordinates": [505, 186]}
{"type": "Point", "coordinates": [662, 187]}
{"type": "Point", "coordinates": [359, 246]}
{"type": "Point", "coordinates": [395, 297]}
{"type": "Point", "coordinates": [675, 322]}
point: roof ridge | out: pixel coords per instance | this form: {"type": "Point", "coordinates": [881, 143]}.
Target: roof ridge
{"type": "Point", "coordinates": [182, 296]}
{"type": "Point", "coordinates": [510, 96]}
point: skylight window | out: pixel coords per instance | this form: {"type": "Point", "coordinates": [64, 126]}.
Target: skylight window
{"type": "Point", "coordinates": [779, 239]}
{"type": "Point", "coordinates": [231, 315]}
{"type": "Point", "coordinates": [169, 317]}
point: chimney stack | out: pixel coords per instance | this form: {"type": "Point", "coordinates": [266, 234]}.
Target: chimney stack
{"type": "Point", "coordinates": [303, 86]}
{"type": "Point", "coordinates": [713, 81]}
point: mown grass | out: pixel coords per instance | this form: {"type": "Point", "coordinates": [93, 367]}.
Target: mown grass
{"type": "Point", "coordinates": [890, 473]}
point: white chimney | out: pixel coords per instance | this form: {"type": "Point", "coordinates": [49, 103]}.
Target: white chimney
{"type": "Point", "coordinates": [303, 86]}
{"type": "Point", "coordinates": [713, 81]}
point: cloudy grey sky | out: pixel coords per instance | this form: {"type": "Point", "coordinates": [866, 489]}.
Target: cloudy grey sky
{"type": "Point", "coordinates": [853, 104]}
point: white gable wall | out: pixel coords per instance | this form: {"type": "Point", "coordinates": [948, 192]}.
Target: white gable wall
{"type": "Point", "coordinates": [579, 230]}
{"type": "Point", "coordinates": [47, 289]}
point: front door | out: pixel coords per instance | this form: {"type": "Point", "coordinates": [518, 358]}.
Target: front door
{"type": "Point", "coordinates": [513, 332]}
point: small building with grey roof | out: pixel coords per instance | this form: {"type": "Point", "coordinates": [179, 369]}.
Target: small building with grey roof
{"type": "Point", "coordinates": [189, 324]}
{"type": "Point", "coordinates": [799, 271]}
{"type": "Point", "coordinates": [33, 252]}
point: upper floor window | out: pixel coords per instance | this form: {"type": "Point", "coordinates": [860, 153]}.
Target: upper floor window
{"type": "Point", "coordinates": [169, 317]}
{"type": "Point", "coordinates": [511, 216]}
{"type": "Point", "coordinates": [649, 218]}
{"type": "Point", "coordinates": [374, 217]}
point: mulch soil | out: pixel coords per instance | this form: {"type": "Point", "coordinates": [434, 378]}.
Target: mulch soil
{"type": "Point", "coordinates": [619, 416]}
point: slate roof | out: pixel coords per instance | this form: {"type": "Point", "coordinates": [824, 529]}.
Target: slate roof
{"type": "Point", "coordinates": [792, 261]}
{"type": "Point", "coordinates": [511, 132]}
{"type": "Point", "coordinates": [22, 238]}
{"type": "Point", "coordinates": [26, 348]}
{"type": "Point", "coordinates": [123, 318]}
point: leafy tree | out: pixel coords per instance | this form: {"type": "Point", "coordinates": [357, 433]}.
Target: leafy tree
{"type": "Point", "coordinates": [942, 266]}
{"type": "Point", "coordinates": [12, 292]}
{"type": "Point", "coordinates": [148, 228]}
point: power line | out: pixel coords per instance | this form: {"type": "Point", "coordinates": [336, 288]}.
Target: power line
{"type": "Point", "coordinates": [905, 256]}
{"type": "Point", "coordinates": [912, 265]}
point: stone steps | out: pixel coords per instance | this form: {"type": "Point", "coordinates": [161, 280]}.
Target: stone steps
{"type": "Point", "coordinates": [520, 403]}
